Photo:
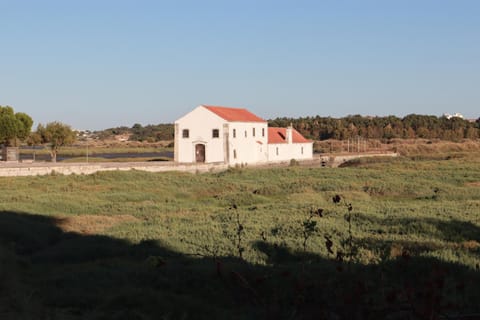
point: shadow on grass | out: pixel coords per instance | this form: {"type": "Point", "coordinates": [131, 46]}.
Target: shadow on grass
{"type": "Point", "coordinates": [446, 230]}
{"type": "Point", "coordinates": [46, 273]}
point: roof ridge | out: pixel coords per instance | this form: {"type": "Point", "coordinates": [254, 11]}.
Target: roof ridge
{"type": "Point", "coordinates": [224, 107]}
{"type": "Point", "coordinates": [234, 114]}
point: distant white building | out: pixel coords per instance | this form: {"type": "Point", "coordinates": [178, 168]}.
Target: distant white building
{"type": "Point", "coordinates": [210, 134]}
{"type": "Point", "coordinates": [455, 115]}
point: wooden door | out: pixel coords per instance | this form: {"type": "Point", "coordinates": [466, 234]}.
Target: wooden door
{"type": "Point", "coordinates": [200, 152]}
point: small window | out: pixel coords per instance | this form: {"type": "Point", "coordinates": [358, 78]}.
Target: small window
{"type": "Point", "coordinates": [253, 132]}
{"type": "Point", "coordinates": [234, 154]}
{"type": "Point", "coordinates": [185, 133]}
{"type": "Point", "coordinates": [215, 133]}
{"type": "Point", "coordinates": [245, 133]}
{"type": "Point", "coordinates": [263, 132]}
{"type": "Point", "coordinates": [234, 133]}
{"type": "Point", "coordinates": [277, 151]}
{"type": "Point", "coordinates": [302, 150]}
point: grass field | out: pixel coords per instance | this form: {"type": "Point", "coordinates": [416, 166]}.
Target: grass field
{"type": "Point", "coordinates": [401, 241]}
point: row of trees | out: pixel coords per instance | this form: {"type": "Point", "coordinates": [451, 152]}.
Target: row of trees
{"type": "Point", "coordinates": [16, 127]}
{"type": "Point", "coordinates": [323, 128]}
{"type": "Point", "coordinates": [408, 127]}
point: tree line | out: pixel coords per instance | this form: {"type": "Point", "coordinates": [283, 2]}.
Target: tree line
{"type": "Point", "coordinates": [322, 128]}
{"type": "Point", "coordinates": [16, 128]}
{"type": "Point", "coordinates": [409, 127]}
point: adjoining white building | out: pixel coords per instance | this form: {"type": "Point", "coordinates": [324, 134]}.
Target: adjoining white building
{"type": "Point", "coordinates": [288, 143]}
{"type": "Point", "coordinates": [210, 134]}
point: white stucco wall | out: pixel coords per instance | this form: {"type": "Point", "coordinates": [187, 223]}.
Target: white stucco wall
{"type": "Point", "coordinates": [288, 151]}
{"type": "Point", "coordinates": [200, 122]}
{"type": "Point", "coordinates": [244, 146]}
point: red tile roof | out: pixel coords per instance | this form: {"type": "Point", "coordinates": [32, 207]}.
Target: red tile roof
{"type": "Point", "coordinates": [279, 135]}
{"type": "Point", "coordinates": [234, 114]}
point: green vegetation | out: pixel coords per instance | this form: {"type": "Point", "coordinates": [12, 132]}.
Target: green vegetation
{"type": "Point", "coordinates": [409, 127]}
{"type": "Point", "coordinates": [148, 133]}
{"type": "Point", "coordinates": [13, 126]}
{"type": "Point", "coordinates": [56, 135]}
{"type": "Point", "coordinates": [381, 239]}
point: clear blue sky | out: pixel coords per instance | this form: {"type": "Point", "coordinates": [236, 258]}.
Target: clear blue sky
{"type": "Point", "coordinates": [99, 64]}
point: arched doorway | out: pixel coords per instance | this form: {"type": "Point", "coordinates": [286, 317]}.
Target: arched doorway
{"type": "Point", "coordinates": [200, 152]}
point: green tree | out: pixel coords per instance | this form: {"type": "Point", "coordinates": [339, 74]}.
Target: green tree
{"type": "Point", "coordinates": [13, 126]}
{"type": "Point", "coordinates": [26, 127]}
{"type": "Point", "coordinates": [57, 135]}
{"type": "Point", "coordinates": [34, 139]}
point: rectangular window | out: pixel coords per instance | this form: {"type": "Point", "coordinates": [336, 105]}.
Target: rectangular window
{"type": "Point", "coordinates": [215, 133]}
{"type": "Point", "coordinates": [263, 132]}
{"type": "Point", "coordinates": [277, 151]}
{"type": "Point", "coordinates": [185, 133]}
{"type": "Point", "coordinates": [245, 133]}
{"type": "Point", "coordinates": [234, 133]}
{"type": "Point", "coordinates": [234, 154]}
{"type": "Point", "coordinates": [302, 150]}
{"type": "Point", "coordinates": [253, 132]}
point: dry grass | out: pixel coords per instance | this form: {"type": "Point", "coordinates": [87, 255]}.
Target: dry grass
{"type": "Point", "coordinates": [470, 245]}
{"type": "Point", "coordinates": [91, 224]}
{"type": "Point", "coordinates": [473, 184]}
{"type": "Point", "coordinates": [406, 147]}
{"type": "Point", "coordinates": [429, 147]}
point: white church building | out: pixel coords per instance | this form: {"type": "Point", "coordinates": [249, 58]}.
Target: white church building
{"type": "Point", "coordinates": [213, 134]}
